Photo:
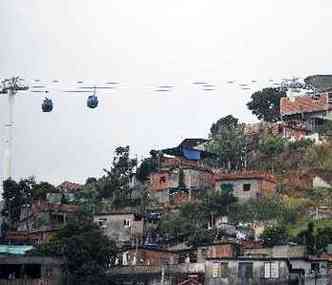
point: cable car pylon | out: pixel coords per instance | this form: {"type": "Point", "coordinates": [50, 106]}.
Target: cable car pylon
{"type": "Point", "coordinates": [10, 87]}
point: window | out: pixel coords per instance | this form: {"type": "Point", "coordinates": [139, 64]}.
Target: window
{"type": "Point", "coordinates": [315, 267]}
{"type": "Point", "coordinates": [126, 223]}
{"type": "Point", "coordinates": [246, 187]}
{"type": "Point", "coordinates": [245, 270]}
{"type": "Point", "coordinates": [219, 270]}
{"type": "Point", "coordinates": [271, 270]}
{"type": "Point", "coordinates": [163, 179]}
{"type": "Point", "coordinates": [227, 187]}
{"type": "Point", "coordinates": [330, 98]}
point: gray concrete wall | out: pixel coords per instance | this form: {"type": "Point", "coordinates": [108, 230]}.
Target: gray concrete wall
{"type": "Point", "coordinates": [230, 274]}
{"type": "Point", "coordinates": [161, 196]}
{"type": "Point", "coordinates": [114, 227]}
{"type": "Point", "coordinates": [238, 188]}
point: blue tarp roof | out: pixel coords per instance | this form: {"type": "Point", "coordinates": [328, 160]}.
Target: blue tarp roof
{"type": "Point", "coordinates": [191, 154]}
{"type": "Point", "coordinates": [14, 249]}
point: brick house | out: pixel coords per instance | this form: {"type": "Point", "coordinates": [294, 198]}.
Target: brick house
{"type": "Point", "coordinates": [247, 185]}
{"type": "Point", "coordinates": [44, 216]}
{"type": "Point", "coordinates": [164, 185]}
{"type": "Point", "coordinates": [303, 115]}
{"type": "Point", "coordinates": [41, 221]}
{"type": "Point", "coordinates": [199, 254]}
{"type": "Point", "coordinates": [147, 256]}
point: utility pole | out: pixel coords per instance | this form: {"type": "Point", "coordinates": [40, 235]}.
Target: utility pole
{"type": "Point", "coordinates": [10, 87]}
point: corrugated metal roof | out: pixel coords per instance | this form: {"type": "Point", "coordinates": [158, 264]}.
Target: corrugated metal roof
{"type": "Point", "coordinates": [14, 249]}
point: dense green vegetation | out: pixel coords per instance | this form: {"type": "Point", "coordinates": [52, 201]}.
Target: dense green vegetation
{"type": "Point", "coordinates": [87, 252]}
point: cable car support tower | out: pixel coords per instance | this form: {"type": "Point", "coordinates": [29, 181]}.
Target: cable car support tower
{"type": "Point", "coordinates": [10, 87]}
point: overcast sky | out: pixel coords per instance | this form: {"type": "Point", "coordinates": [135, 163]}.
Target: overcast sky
{"type": "Point", "coordinates": [143, 44]}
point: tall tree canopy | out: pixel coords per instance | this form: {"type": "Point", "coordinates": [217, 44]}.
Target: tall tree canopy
{"type": "Point", "coordinates": [265, 104]}
{"type": "Point", "coordinates": [228, 141]}
{"type": "Point", "coordinates": [17, 194]}
{"type": "Point", "coordinates": [116, 182]}
{"type": "Point", "coordinates": [87, 252]}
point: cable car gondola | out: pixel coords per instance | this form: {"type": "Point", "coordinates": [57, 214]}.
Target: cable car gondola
{"type": "Point", "coordinates": [92, 101]}
{"type": "Point", "coordinates": [47, 105]}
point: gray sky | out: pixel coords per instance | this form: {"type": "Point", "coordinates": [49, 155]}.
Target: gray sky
{"type": "Point", "coordinates": [143, 44]}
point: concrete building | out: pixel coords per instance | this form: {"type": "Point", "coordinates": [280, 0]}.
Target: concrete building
{"type": "Point", "coordinates": [147, 256]}
{"type": "Point", "coordinates": [40, 222]}
{"type": "Point", "coordinates": [44, 216]}
{"type": "Point", "coordinates": [123, 227]}
{"type": "Point", "coordinates": [30, 270]}
{"type": "Point", "coordinates": [246, 185]}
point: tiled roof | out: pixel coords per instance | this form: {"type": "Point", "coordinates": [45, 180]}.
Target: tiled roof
{"type": "Point", "coordinates": [246, 175]}
{"type": "Point", "coordinates": [304, 104]}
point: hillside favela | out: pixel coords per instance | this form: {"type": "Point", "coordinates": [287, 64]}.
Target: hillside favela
{"type": "Point", "coordinates": [246, 204]}
{"type": "Point", "coordinates": [178, 142]}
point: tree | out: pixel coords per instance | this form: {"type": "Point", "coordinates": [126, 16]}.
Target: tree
{"type": "Point", "coordinates": [190, 224]}
{"type": "Point", "coordinates": [265, 104]}
{"type": "Point", "coordinates": [326, 129]}
{"type": "Point", "coordinates": [16, 195]}
{"type": "Point", "coordinates": [265, 209]}
{"type": "Point", "coordinates": [324, 238]}
{"type": "Point", "coordinates": [40, 190]}
{"type": "Point", "coordinates": [319, 196]}
{"type": "Point", "coordinates": [13, 200]}
{"type": "Point", "coordinates": [275, 235]}
{"type": "Point", "coordinates": [270, 147]}
{"type": "Point", "coordinates": [217, 203]}
{"type": "Point", "coordinates": [116, 183]}
{"type": "Point", "coordinates": [308, 238]}
{"type": "Point", "coordinates": [228, 141]}
{"type": "Point", "coordinates": [147, 166]}
{"type": "Point", "coordinates": [87, 252]}
{"type": "Point", "coordinates": [319, 156]}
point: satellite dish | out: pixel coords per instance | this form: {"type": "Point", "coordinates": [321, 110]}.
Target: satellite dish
{"type": "Point", "coordinates": [47, 105]}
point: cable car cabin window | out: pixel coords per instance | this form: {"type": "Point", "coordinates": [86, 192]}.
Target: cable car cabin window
{"type": "Point", "coordinates": [246, 187]}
